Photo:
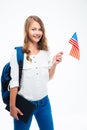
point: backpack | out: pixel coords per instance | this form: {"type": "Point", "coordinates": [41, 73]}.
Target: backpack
{"type": "Point", "coordinates": [5, 76]}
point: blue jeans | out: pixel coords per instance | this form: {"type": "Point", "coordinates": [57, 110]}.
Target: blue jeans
{"type": "Point", "coordinates": [42, 114]}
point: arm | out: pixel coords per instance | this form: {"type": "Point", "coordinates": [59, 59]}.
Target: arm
{"type": "Point", "coordinates": [13, 110]}
{"type": "Point", "coordinates": [56, 60]}
{"type": "Point", "coordinates": [14, 83]}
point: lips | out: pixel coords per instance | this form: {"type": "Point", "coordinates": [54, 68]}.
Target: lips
{"type": "Point", "coordinates": [37, 37]}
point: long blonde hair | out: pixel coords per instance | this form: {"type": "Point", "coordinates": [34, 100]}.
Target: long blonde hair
{"type": "Point", "coordinates": [42, 44]}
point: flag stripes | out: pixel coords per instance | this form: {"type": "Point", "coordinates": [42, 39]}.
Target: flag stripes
{"type": "Point", "coordinates": [74, 43]}
{"type": "Point", "coordinates": [75, 52]}
{"type": "Point", "coordinates": [75, 47]}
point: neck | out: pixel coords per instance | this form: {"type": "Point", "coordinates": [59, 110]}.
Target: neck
{"type": "Point", "coordinates": [33, 48]}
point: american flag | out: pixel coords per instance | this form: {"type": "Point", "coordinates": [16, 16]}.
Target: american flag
{"type": "Point", "coordinates": [75, 47]}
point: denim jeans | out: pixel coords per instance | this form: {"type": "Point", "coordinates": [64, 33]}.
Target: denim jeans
{"type": "Point", "coordinates": [42, 114]}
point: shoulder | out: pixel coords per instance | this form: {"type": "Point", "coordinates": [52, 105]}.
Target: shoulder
{"type": "Point", "coordinates": [13, 52]}
{"type": "Point", "coordinates": [17, 49]}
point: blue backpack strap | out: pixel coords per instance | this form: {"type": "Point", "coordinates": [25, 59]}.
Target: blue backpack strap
{"type": "Point", "coordinates": [20, 59]}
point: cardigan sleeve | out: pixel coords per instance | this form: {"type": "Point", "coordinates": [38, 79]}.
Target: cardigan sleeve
{"type": "Point", "coordinates": [14, 70]}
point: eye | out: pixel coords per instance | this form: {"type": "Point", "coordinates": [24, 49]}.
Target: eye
{"type": "Point", "coordinates": [40, 29]}
{"type": "Point", "coordinates": [33, 29]}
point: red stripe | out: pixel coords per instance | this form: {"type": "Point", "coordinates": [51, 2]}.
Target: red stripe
{"type": "Point", "coordinates": [75, 52]}
{"type": "Point", "coordinates": [74, 43]}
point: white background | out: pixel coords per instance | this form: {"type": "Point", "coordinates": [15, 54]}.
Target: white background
{"type": "Point", "coordinates": [68, 89]}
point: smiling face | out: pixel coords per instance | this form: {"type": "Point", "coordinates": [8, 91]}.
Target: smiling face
{"type": "Point", "coordinates": [35, 32]}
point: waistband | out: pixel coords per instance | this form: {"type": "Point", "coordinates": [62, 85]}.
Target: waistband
{"type": "Point", "coordinates": [41, 101]}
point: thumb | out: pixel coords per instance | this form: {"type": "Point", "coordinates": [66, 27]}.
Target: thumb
{"type": "Point", "coordinates": [60, 53]}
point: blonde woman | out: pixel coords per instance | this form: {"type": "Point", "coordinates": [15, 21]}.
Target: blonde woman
{"type": "Point", "coordinates": [37, 71]}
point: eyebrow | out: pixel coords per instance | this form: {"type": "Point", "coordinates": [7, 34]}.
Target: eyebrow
{"type": "Point", "coordinates": [37, 28]}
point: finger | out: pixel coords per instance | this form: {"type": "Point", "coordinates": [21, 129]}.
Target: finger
{"type": "Point", "coordinates": [16, 117]}
{"type": "Point", "coordinates": [59, 58]}
{"type": "Point", "coordinates": [19, 112]}
{"type": "Point", "coordinates": [60, 53]}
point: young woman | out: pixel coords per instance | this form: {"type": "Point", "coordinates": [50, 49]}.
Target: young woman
{"type": "Point", "coordinates": [37, 71]}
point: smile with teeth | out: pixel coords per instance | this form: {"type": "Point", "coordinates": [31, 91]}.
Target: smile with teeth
{"type": "Point", "coordinates": [36, 37]}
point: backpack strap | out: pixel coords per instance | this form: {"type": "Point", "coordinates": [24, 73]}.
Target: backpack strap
{"type": "Point", "coordinates": [20, 58]}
